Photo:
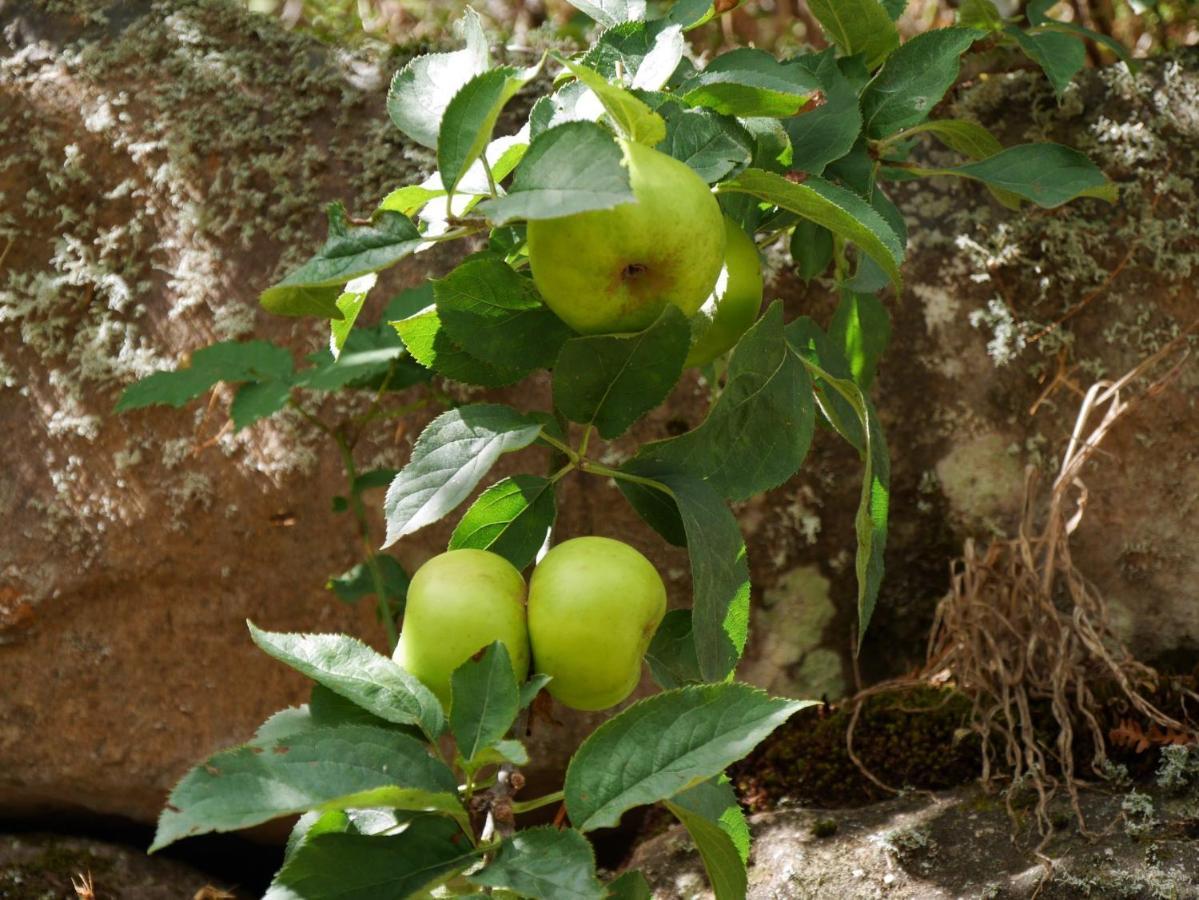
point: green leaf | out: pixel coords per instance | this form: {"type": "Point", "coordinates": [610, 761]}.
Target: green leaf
{"type": "Point", "coordinates": [631, 885]}
{"type": "Point", "coordinates": [649, 53]}
{"type": "Point", "coordinates": [497, 316]}
{"type": "Point", "coordinates": [858, 26]}
{"type": "Point", "coordinates": [511, 518]}
{"type": "Point", "coordinates": [632, 117]}
{"type": "Point", "coordinates": [470, 118]}
{"type": "Point", "coordinates": [758, 432]}
{"type": "Point", "coordinates": [894, 8]}
{"type": "Point", "coordinates": [611, 380]}
{"type": "Point", "coordinates": [1062, 56]}
{"type": "Point", "coordinates": [348, 667]}
{"type": "Point", "coordinates": [349, 304]}
{"type": "Point", "coordinates": [715, 800]}
{"type": "Point", "coordinates": [837, 209]}
{"type": "Point", "coordinates": [981, 14]}
{"type": "Point", "coordinates": [750, 82]}
{"type": "Point", "coordinates": [870, 523]}
{"type": "Point", "coordinates": [421, 91]}
{"type": "Point", "coordinates": [725, 868]}
{"type": "Point", "coordinates": [1047, 174]}
{"type": "Point", "coordinates": [226, 361]}
{"type": "Point", "coordinates": [711, 144]}
{"type": "Point", "coordinates": [719, 570]}
{"type": "Point", "coordinates": [1110, 43]}
{"type": "Point", "coordinates": [369, 867]}
{"type": "Point", "coordinates": [829, 132]}
{"type": "Point", "coordinates": [610, 13]}
{"type": "Point", "coordinates": [325, 708]}
{"type": "Point", "coordinates": [811, 249]}
{"type": "Point", "coordinates": [314, 823]}
{"type": "Point", "coordinates": [426, 339]}
{"type": "Point", "coordinates": [484, 700]}
{"type": "Point", "coordinates": [570, 168]}
{"type": "Point", "coordinates": [349, 252]}
{"type": "Point", "coordinates": [914, 80]}
{"type": "Point", "coordinates": [531, 688]}
{"type": "Point", "coordinates": [358, 582]}
{"type": "Point", "coordinates": [861, 329]}
{"type": "Point", "coordinates": [318, 768]}
{"type": "Point", "coordinates": [664, 744]}
{"type": "Point", "coordinates": [544, 863]}
{"type": "Point", "coordinates": [969, 139]}
{"type": "Point", "coordinates": [258, 400]}
{"type": "Point", "coordinates": [671, 655]}
{"type": "Point", "coordinates": [449, 459]}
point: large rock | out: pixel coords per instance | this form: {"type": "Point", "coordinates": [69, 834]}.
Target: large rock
{"type": "Point", "coordinates": [165, 161]}
{"type": "Point", "coordinates": [958, 845]}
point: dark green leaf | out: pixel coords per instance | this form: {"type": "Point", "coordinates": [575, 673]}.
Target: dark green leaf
{"type": "Point", "coordinates": [1047, 174]}
{"type": "Point", "coordinates": [349, 252]}
{"type": "Point", "coordinates": [371, 867]}
{"type": "Point", "coordinates": [758, 431]}
{"type": "Point", "coordinates": [426, 339]}
{"type": "Point", "coordinates": [544, 863]}
{"type": "Point", "coordinates": [837, 209]}
{"type": "Point", "coordinates": [258, 400]}
{"type": "Point", "coordinates": [358, 582]}
{"type": "Point", "coordinates": [632, 884]}
{"type": "Point", "coordinates": [470, 117]}
{"type": "Point", "coordinates": [531, 688]}
{"type": "Point", "coordinates": [511, 518]}
{"type": "Point", "coordinates": [571, 168]}
{"type": "Point", "coordinates": [664, 744]}
{"type": "Point", "coordinates": [750, 82]}
{"type": "Point", "coordinates": [318, 768]}
{"type": "Point", "coordinates": [611, 380]}
{"type": "Point", "coordinates": [630, 45]}
{"type": "Point", "coordinates": [715, 800]}
{"type": "Point", "coordinates": [914, 80]}
{"type": "Point", "coordinates": [858, 26]}
{"type": "Point", "coordinates": [328, 709]}
{"type": "Point", "coordinates": [981, 14]}
{"type": "Point", "coordinates": [861, 329]}
{"type": "Point", "coordinates": [484, 700]}
{"type": "Point", "coordinates": [348, 667]}
{"type": "Point", "coordinates": [421, 91]}
{"type": "Point", "coordinates": [894, 8]}
{"type": "Point", "coordinates": [450, 457]}
{"type": "Point", "coordinates": [1062, 56]}
{"type": "Point", "coordinates": [711, 144]}
{"type": "Point", "coordinates": [497, 316]}
{"type": "Point", "coordinates": [671, 655]}
{"type": "Point", "coordinates": [871, 520]}
{"type": "Point", "coordinates": [227, 361]}
{"type": "Point", "coordinates": [719, 570]}
{"type": "Point", "coordinates": [811, 249]}
{"type": "Point", "coordinates": [827, 133]}
{"type": "Point", "coordinates": [725, 869]}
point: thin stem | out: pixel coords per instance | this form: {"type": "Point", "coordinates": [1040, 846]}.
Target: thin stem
{"type": "Point", "coordinates": [592, 468]}
{"type": "Point", "coordinates": [537, 802]}
{"type": "Point", "coordinates": [558, 445]}
{"type": "Point", "coordinates": [586, 440]}
{"type": "Point", "coordinates": [490, 177]}
{"type": "Point", "coordinates": [562, 473]}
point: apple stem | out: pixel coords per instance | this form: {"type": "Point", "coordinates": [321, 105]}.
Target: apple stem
{"type": "Point", "coordinates": [596, 469]}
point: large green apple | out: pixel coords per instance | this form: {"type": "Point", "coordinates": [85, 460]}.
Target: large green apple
{"type": "Point", "coordinates": [458, 603]}
{"type": "Point", "coordinates": [594, 605]}
{"type": "Point", "coordinates": [614, 270]}
{"type": "Point", "coordinates": [734, 303]}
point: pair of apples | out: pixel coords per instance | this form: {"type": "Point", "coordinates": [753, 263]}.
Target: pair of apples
{"type": "Point", "coordinates": [593, 606]}
{"type": "Point", "coordinates": [615, 270]}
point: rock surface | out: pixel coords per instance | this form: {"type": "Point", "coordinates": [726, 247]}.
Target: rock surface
{"type": "Point", "coordinates": [163, 161]}
{"type": "Point", "coordinates": [953, 846]}
{"type": "Point", "coordinates": [41, 867]}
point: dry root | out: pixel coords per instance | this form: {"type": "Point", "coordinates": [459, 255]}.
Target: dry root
{"type": "Point", "coordinates": [1022, 630]}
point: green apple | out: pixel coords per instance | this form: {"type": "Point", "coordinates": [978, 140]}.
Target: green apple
{"type": "Point", "coordinates": [615, 270]}
{"type": "Point", "coordinates": [458, 603]}
{"type": "Point", "coordinates": [594, 605]}
{"type": "Point", "coordinates": [734, 303]}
